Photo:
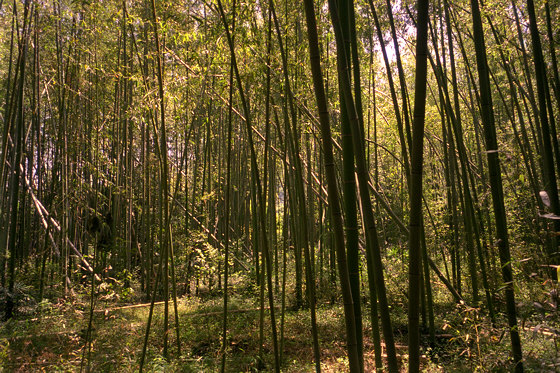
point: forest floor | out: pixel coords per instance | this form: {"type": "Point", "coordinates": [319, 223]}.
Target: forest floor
{"type": "Point", "coordinates": [51, 337]}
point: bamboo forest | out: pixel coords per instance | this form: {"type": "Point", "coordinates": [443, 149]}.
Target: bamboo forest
{"type": "Point", "coordinates": [279, 186]}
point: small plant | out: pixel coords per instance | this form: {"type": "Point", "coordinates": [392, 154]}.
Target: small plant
{"type": "Point", "coordinates": [4, 351]}
{"type": "Point", "coordinates": [467, 334]}
{"type": "Point", "coordinates": [118, 288]}
{"type": "Point", "coordinates": [44, 307]}
{"type": "Point", "coordinates": [21, 296]}
{"type": "Point", "coordinates": [158, 364]}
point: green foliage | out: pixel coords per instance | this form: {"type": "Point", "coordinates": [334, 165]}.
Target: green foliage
{"type": "Point", "coordinates": [158, 365]}
{"type": "Point", "coordinates": [118, 288]}
{"type": "Point", "coordinates": [4, 351]}
{"type": "Point", "coordinates": [22, 296]}
{"type": "Point", "coordinates": [45, 307]}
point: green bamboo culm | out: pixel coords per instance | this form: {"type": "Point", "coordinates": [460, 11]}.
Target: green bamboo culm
{"type": "Point", "coordinates": [417, 157]}
{"type": "Point", "coordinates": [494, 171]}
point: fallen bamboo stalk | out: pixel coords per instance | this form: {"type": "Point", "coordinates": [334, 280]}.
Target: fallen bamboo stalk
{"type": "Point", "coordinates": [217, 313]}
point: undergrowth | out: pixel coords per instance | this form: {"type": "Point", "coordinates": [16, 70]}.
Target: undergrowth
{"type": "Point", "coordinates": [51, 335]}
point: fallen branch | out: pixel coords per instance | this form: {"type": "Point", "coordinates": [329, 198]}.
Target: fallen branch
{"type": "Point", "coordinates": [217, 313]}
{"type": "Point", "coordinates": [447, 284]}
{"type": "Point", "coordinates": [46, 218]}
{"type": "Point", "coordinates": [543, 330]}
